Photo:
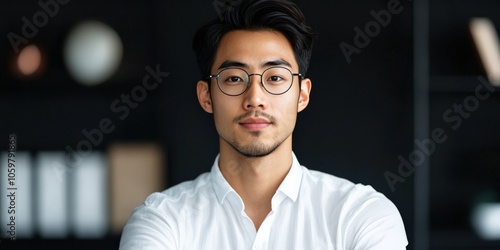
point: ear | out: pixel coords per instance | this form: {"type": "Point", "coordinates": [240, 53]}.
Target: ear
{"type": "Point", "coordinates": [305, 90]}
{"type": "Point", "coordinates": [203, 92]}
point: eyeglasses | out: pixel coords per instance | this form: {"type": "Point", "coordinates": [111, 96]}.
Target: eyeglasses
{"type": "Point", "coordinates": [235, 81]}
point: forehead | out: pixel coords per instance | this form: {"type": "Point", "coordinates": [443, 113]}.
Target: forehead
{"type": "Point", "coordinates": [254, 49]}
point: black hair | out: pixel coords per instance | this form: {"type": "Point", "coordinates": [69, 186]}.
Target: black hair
{"type": "Point", "coordinates": [278, 15]}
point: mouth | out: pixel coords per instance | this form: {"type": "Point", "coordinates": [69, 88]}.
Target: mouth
{"type": "Point", "coordinates": [255, 123]}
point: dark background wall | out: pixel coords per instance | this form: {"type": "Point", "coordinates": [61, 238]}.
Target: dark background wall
{"type": "Point", "coordinates": [359, 121]}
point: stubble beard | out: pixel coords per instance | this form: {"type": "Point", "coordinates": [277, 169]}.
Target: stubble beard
{"type": "Point", "coordinates": [254, 150]}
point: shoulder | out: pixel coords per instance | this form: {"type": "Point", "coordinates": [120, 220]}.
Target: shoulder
{"type": "Point", "coordinates": [182, 194]}
{"type": "Point", "coordinates": [363, 215]}
{"type": "Point", "coordinates": [339, 188]}
{"type": "Point", "coordinates": [155, 223]}
{"type": "Point", "coordinates": [344, 194]}
{"type": "Point", "coordinates": [341, 195]}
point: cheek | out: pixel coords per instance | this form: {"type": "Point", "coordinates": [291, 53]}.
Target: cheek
{"type": "Point", "coordinates": [287, 105]}
{"type": "Point", "coordinates": [286, 109]}
{"type": "Point", "coordinates": [223, 109]}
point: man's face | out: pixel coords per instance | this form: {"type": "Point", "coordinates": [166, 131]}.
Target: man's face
{"type": "Point", "coordinates": [254, 123]}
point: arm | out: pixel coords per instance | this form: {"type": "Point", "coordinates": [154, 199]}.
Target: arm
{"type": "Point", "coordinates": [147, 229]}
{"type": "Point", "coordinates": [377, 224]}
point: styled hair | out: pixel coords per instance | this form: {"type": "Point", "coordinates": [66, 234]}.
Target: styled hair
{"type": "Point", "coordinates": [277, 15]}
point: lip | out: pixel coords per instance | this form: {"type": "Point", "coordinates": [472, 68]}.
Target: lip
{"type": "Point", "coordinates": [255, 123]}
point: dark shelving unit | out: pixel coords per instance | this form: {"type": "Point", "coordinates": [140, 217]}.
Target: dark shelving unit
{"type": "Point", "coordinates": [447, 74]}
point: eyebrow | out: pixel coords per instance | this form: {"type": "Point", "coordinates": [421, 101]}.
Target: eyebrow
{"type": "Point", "coordinates": [278, 62]}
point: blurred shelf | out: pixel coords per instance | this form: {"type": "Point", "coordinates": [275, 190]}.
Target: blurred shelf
{"type": "Point", "coordinates": [110, 242]}
{"type": "Point", "coordinates": [465, 84]}
{"type": "Point", "coordinates": [451, 239]}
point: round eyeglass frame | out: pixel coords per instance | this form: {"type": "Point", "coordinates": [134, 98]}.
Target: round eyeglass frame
{"type": "Point", "coordinates": [216, 76]}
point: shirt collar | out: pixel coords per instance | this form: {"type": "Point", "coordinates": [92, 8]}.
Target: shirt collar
{"type": "Point", "coordinates": [221, 186]}
{"type": "Point", "coordinates": [290, 186]}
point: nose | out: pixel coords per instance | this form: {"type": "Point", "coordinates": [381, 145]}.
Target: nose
{"type": "Point", "coordinates": [255, 95]}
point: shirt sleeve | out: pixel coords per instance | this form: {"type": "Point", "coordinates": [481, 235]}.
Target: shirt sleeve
{"type": "Point", "coordinates": [376, 224]}
{"type": "Point", "coordinates": [147, 229]}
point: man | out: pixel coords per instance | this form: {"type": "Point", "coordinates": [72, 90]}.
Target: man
{"type": "Point", "coordinates": [257, 196]}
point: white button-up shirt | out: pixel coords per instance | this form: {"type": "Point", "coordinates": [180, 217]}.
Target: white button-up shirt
{"type": "Point", "coordinates": [310, 210]}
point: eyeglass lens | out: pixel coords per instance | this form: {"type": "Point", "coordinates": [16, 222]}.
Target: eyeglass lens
{"type": "Point", "coordinates": [276, 80]}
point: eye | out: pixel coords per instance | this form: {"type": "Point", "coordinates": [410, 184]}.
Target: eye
{"type": "Point", "coordinates": [275, 79]}
{"type": "Point", "coordinates": [276, 76]}
{"type": "Point", "coordinates": [234, 79]}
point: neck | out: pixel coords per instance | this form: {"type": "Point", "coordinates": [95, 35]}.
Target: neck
{"type": "Point", "coordinates": [255, 179]}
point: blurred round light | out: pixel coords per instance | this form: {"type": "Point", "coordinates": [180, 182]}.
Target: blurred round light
{"type": "Point", "coordinates": [93, 52]}
{"type": "Point", "coordinates": [486, 220]}
{"type": "Point", "coordinates": [29, 60]}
